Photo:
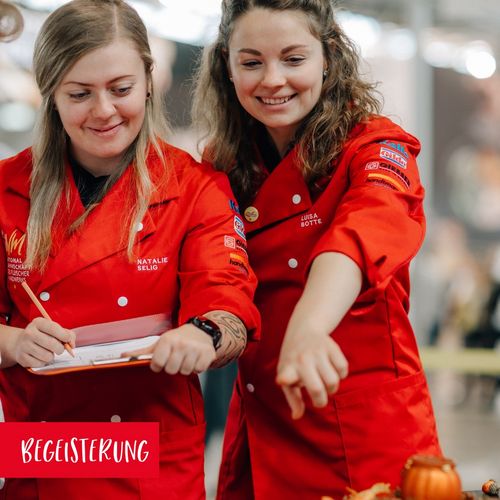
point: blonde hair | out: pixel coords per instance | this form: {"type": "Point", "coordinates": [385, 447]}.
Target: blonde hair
{"type": "Point", "coordinates": [11, 21]}
{"type": "Point", "coordinates": [228, 129]}
{"type": "Point", "coordinates": [69, 33]}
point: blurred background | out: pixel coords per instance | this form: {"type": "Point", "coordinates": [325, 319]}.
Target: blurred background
{"type": "Point", "coordinates": [436, 61]}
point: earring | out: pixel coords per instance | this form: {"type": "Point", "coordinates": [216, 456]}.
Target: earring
{"type": "Point", "coordinates": [325, 72]}
{"type": "Point", "coordinates": [230, 78]}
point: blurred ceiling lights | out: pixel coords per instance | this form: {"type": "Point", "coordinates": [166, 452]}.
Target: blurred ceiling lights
{"type": "Point", "coordinates": [188, 21]}
{"type": "Point", "coordinates": [440, 48]}
{"type": "Point", "coordinates": [375, 39]}
{"type": "Point", "coordinates": [449, 50]}
{"type": "Point", "coordinates": [195, 22]}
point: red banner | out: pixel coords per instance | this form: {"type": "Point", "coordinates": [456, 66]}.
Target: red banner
{"type": "Point", "coordinates": [79, 449]}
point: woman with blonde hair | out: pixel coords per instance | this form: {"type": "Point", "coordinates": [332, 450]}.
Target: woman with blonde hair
{"type": "Point", "coordinates": [110, 225]}
{"type": "Point", "coordinates": [333, 204]}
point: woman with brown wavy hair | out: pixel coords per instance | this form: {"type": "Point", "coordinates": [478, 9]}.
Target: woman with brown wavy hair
{"type": "Point", "coordinates": [333, 207]}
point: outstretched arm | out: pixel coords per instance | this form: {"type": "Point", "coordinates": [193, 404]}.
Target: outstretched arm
{"type": "Point", "coordinates": [309, 357]}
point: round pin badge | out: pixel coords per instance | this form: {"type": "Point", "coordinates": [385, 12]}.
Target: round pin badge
{"type": "Point", "coordinates": [251, 214]}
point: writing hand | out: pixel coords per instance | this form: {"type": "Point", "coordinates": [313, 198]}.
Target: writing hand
{"type": "Point", "coordinates": [37, 344]}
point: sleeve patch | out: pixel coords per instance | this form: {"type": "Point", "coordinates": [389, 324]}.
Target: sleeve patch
{"type": "Point", "coordinates": [385, 180]}
{"type": "Point", "coordinates": [229, 241]}
{"type": "Point", "coordinates": [239, 227]}
{"type": "Point", "coordinates": [235, 243]}
{"type": "Point", "coordinates": [397, 146]}
{"type": "Point", "coordinates": [389, 171]}
{"type": "Point", "coordinates": [239, 262]}
{"type": "Point", "coordinates": [394, 157]}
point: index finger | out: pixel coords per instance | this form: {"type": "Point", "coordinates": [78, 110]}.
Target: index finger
{"type": "Point", "coordinates": [314, 385]}
{"type": "Point", "coordinates": [295, 401]}
{"type": "Point", "coordinates": [138, 352]}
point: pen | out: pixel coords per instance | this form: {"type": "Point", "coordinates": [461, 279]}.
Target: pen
{"type": "Point", "coordinates": [43, 312]}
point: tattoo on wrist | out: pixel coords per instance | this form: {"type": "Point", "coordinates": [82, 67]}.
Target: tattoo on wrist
{"type": "Point", "coordinates": [234, 337]}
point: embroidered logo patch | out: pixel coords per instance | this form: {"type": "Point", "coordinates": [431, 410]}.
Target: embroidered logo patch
{"type": "Point", "coordinates": [385, 180]}
{"type": "Point", "coordinates": [376, 165]}
{"type": "Point", "coordinates": [239, 227]}
{"type": "Point", "coordinates": [241, 245]}
{"type": "Point", "coordinates": [234, 206]}
{"type": "Point", "coordinates": [397, 147]}
{"type": "Point", "coordinates": [394, 157]}
{"type": "Point", "coordinates": [229, 241]}
{"type": "Point", "coordinates": [15, 245]}
{"type": "Point", "coordinates": [238, 261]}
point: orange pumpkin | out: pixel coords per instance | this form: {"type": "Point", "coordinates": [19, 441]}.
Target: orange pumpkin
{"type": "Point", "coordinates": [426, 477]}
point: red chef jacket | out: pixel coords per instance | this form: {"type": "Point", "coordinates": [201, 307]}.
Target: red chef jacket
{"type": "Point", "coordinates": [183, 266]}
{"type": "Point", "coordinates": [370, 210]}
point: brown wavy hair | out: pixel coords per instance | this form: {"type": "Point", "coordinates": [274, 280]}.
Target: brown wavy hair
{"type": "Point", "coordinates": [70, 32]}
{"type": "Point", "coordinates": [11, 21]}
{"type": "Point", "coordinates": [345, 100]}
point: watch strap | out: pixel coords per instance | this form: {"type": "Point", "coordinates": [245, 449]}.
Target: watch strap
{"type": "Point", "coordinates": [209, 327]}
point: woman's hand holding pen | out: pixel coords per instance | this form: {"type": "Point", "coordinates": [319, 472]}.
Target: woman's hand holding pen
{"type": "Point", "coordinates": [37, 344]}
{"type": "Point", "coordinates": [44, 313]}
{"type": "Point", "coordinates": [312, 361]}
{"type": "Point", "coordinates": [183, 350]}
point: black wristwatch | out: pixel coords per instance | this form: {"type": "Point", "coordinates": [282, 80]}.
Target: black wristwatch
{"type": "Point", "coordinates": [209, 327]}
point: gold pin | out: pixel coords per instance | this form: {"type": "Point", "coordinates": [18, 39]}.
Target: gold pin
{"type": "Point", "coordinates": [251, 214]}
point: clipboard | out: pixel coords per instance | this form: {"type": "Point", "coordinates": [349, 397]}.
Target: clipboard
{"type": "Point", "coordinates": [114, 338]}
{"type": "Point", "coordinates": [103, 355]}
